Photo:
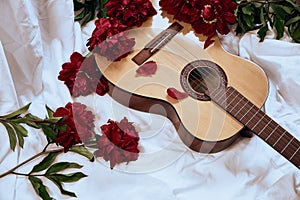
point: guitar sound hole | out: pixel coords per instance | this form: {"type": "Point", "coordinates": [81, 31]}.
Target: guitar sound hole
{"type": "Point", "coordinates": [202, 76]}
{"type": "Point", "coordinates": [201, 79]}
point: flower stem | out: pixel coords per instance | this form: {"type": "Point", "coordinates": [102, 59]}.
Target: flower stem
{"type": "Point", "coordinates": [22, 174]}
{"type": "Point", "coordinates": [11, 171]}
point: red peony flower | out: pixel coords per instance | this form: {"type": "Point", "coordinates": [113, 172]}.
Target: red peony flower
{"type": "Point", "coordinates": [182, 10]}
{"type": "Point", "coordinates": [206, 16]}
{"type": "Point", "coordinates": [84, 121]}
{"type": "Point", "coordinates": [82, 76]}
{"type": "Point", "coordinates": [118, 143]}
{"type": "Point", "coordinates": [102, 86]}
{"type": "Point", "coordinates": [70, 70]}
{"type": "Point", "coordinates": [213, 16]}
{"type": "Point", "coordinates": [79, 125]}
{"type": "Point", "coordinates": [105, 28]}
{"type": "Point", "coordinates": [82, 85]}
{"type": "Point", "coordinates": [116, 47]}
{"type": "Point", "coordinates": [109, 40]}
{"type": "Point", "coordinates": [130, 12]}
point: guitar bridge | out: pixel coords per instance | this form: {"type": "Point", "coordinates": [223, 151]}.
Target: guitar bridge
{"type": "Point", "coordinates": [157, 43]}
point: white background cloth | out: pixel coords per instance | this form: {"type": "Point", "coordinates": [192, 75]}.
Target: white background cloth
{"type": "Point", "coordinates": [37, 36]}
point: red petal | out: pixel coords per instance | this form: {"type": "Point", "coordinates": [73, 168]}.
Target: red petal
{"type": "Point", "coordinates": [147, 68]}
{"type": "Point", "coordinates": [229, 17]}
{"type": "Point", "coordinates": [208, 42]}
{"type": "Point", "coordinates": [76, 58]}
{"type": "Point", "coordinates": [174, 93]}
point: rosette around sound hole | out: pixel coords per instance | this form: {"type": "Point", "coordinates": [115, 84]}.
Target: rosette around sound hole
{"type": "Point", "coordinates": [201, 77]}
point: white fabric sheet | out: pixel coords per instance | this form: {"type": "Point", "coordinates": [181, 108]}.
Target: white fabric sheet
{"type": "Point", "coordinates": [37, 36]}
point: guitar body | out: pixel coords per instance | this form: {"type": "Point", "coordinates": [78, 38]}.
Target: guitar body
{"type": "Point", "coordinates": [201, 124]}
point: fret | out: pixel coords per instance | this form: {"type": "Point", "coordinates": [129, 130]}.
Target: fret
{"type": "Point", "coordinates": [279, 137]}
{"type": "Point", "coordinates": [227, 97]}
{"type": "Point", "coordinates": [230, 103]}
{"type": "Point", "coordinates": [236, 105]}
{"type": "Point", "coordinates": [247, 112]}
{"type": "Point", "coordinates": [264, 129]}
{"type": "Point", "coordinates": [239, 110]}
{"type": "Point", "coordinates": [287, 145]}
{"type": "Point", "coordinates": [225, 93]}
{"type": "Point", "coordinates": [294, 153]}
{"type": "Point", "coordinates": [214, 95]}
{"type": "Point", "coordinates": [257, 111]}
{"type": "Point", "coordinates": [258, 122]}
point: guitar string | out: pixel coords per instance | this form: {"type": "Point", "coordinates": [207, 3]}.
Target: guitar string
{"type": "Point", "coordinates": [293, 139]}
{"type": "Point", "coordinates": [265, 127]}
{"type": "Point", "coordinates": [291, 143]}
{"type": "Point", "coordinates": [282, 135]}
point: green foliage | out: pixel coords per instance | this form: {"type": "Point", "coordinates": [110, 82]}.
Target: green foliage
{"type": "Point", "coordinates": [14, 121]}
{"type": "Point", "coordinates": [279, 14]}
{"type": "Point", "coordinates": [15, 131]}
{"type": "Point", "coordinates": [87, 10]}
{"type": "Point", "coordinates": [45, 163]}
{"type": "Point", "coordinates": [14, 125]}
{"type": "Point", "coordinates": [39, 187]}
{"type": "Point", "coordinates": [52, 174]}
{"type": "Point", "coordinates": [81, 150]}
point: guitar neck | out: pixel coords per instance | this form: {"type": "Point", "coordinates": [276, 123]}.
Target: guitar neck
{"type": "Point", "coordinates": [257, 121]}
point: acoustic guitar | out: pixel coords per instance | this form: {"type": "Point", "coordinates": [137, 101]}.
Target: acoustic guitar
{"type": "Point", "coordinates": [225, 92]}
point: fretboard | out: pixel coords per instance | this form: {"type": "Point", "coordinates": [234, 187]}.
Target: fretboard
{"type": "Point", "coordinates": [257, 121]}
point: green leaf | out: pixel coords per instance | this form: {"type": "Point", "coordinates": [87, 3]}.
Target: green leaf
{"type": "Point", "coordinates": [68, 178]}
{"type": "Point", "coordinates": [77, 5]}
{"type": "Point", "coordinates": [262, 16]}
{"type": "Point", "coordinates": [87, 10]}
{"type": "Point", "coordinates": [45, 163]}
{"type": "Point", "coordinates": [12, 136]}
{"type": "Point", "coordinates": [20, 129]}
{"type": "Point", "coordinates": [30, 116]}
{"type": "Point", "coordinates": [295, 32]}
{"type": "Point", "coordinates": [292, 20]}
{"type": "Point", "coordinates": [39, 188]}
{"type": "Point", "coordinates": [249, 21]}
{"type": "Point", "coordinates": [58, 184]}
{"type": "Point", "coordinates": [17, 112]}
{"type": "Point", "coordinates": [53, 119]}
{"type": "Point", "coordinates": [20, 139]}
{"type": "Point", "coordinates": [102, 13]}
{"type": "Point", "coordinates": [279, 26]}
{"type": "Point", "coordinates": [57, 167]}
{"type": "Point", "coordinates": [62, 128]}
{"type": "Point", "coordinates": [247, 9]}
{"type": "Point", "coordinates": [287, 9]}
{"type": "Point", "coordinates": [49, 132]}
{"type": "Point", "coordinates": [262, 32]}
{"type": "Point", "coordinates": [90, 16]}
{"type": "Point", "coordinates": [24, 120]}
{"type": "Point", "coordinates": [21, 133]}
{"type": "Point", "coordinates": [292, 2]}
{"type": "Point", "coordinates": [280, 10]}
{"type": "Point", "coordinates": [29, 120]}
{"type": "Point", "coordinates": [49, 111]}
{"type": "Point", "coordinates": [83, 151]}
{"type": "Point", "coordinates": [82, 14]}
